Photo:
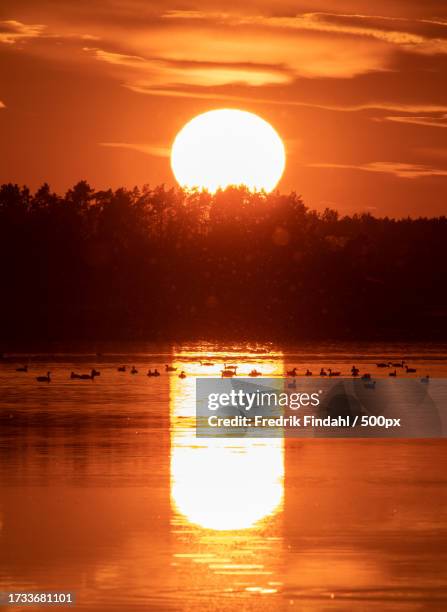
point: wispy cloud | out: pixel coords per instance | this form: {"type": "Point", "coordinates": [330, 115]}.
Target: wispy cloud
{"type": "Point", "coordinates": [159, 71]}
{"type": "Point", "coordinates": [155, 151]}
{"type": "Point", "coordinates": [12, 31]}
{"type": "Point", "coordinates": [392, 106]}
{"type": "Point", "coordinates": [356, 25]}
{"type": "Point", "coordinates": [319, 22]}
{"type": "Point", "coordinates": [219, 49]}
{"type": "Point", "coordinates": [200, 14]}
{"type": "Point", "coordinates": [401, 170]}
{"type": "Point", "coordinates": [385, 106]}
{"type": "Point", "coordinates": [119, 59]}
{"type": "Point", "coordinates": [424, 120]}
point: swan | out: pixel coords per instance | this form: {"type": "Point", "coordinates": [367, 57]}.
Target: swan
{"type": "Point", "coordinates": [354, 371]}
{"type": "Point", "coordinates": [22, 369]}
{"type": "Point", "coordinates": [44, 378]}
{"type": "Point", "coordinates": [228, 372]}
{"type": "Point", "coordinates": [134, 370]}
{"type": "Point", "coordinates": [121, 368]}
{"type": "Point", "coordinates": [255, 373]}
{"type": "Point", "coordinates": [383, 365]}
{"type": "Point", "coordinates": [410, 370]}
{"type": "Point", "coordinates": [90, 376]}
{"type": "Point", "coordinates": [206, 363]}
{"type": "Point", "coordinates": [169, 368]}
{"type": "Point", "coordinates": [393, 373]}
{"type": "Point", "coordinates": [323, 372]}
{"type": "Point", "coordinates": [398, 365]}
{"type": "Point", "coordinates": [182, 374]}
{"type": "Point", "coordinates": [331, 373]}
{"type": "Point", "coordinates": [308, 372]}
{"type": "Point", "coordinates": [291, 372]}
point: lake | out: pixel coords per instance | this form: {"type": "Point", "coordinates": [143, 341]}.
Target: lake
{"type": "Point", "coordinates": [106, 492]}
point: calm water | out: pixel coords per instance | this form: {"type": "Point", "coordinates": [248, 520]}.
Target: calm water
{"type": "Point", "coordinates": [106, 492]}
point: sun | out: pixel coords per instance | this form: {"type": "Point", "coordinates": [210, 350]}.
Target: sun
{"type": "Point", "coordinates": [228, 147]}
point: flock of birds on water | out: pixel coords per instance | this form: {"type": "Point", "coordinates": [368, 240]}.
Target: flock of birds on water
{"type": "Point", "coordinates": [229, 371]}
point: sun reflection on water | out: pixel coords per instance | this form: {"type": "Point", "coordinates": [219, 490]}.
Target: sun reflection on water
{"type": "Point", "coordinates": [221, 484]}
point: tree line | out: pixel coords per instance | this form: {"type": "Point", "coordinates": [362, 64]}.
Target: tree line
{"type": "Point", "coordinates": [158, 263]}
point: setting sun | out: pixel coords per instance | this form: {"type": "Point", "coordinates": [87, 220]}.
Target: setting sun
{"type": "Point", "coordinates": [228, 147]}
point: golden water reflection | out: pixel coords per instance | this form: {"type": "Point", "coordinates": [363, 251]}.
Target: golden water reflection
{"type": "Point", "coordinates": [216, 483]}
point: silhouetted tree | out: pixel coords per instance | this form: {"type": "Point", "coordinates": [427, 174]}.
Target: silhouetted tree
{"type": "Point", "coordinates": [158, 262]}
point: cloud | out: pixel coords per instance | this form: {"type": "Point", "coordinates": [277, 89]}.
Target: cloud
{"type": "Point", "coordinates": [155, 151]}
{"type": "Point", "coordinates": [342, 108]}
{"type": "Point", "coordinates": [439, 122]}
{"type": "Point", "coordinates": [12, 31]}
{"type": "Point", "coordinates": [355, 25]}
{"type": "Point", "coordinates": [159, 71]}
{"type": "Point", "coordinates": [210, 48]}
{"type": "Point", "coordinates": [401, 170]}
{"type": "Point", "coordinates": [304, 54]}
{"type": "Point", "coordinates": [393, 106]}
{"type": "Point", "coordinates": [319, 22]}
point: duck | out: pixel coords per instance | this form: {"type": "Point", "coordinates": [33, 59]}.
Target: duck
{"type": "Point", "coordinates": [354, 371]}
{"type": "Point", "coordinates": [182, 374]}
{"type": "Point", "coordinates": [398, 364]}
{"type": "Point", "coordinates": [392, 373]}
{"type": "Point", "coordinates": [308, 372]}
{"type": "Point", "coordinates": [46, 378]}
{"type": "Point", "coordinates": [323, 372]}
{"type": "Point", "coordinates": [425, 379]}
{"type": "Point", "coordinates": [134, 370]}
{"type": "Point", "coordinates": [291, 372]}
{"type": "Point", "coordinates": [331, 373]}
{"type": "Point", "coordinates": [22, 369]}
{"type": "Point", "coordinates": [206, 363]}
{"type": "Point", "coordinates": [121, 368]}
{"type": "Point", "coordinates": [366, 376]}
{"type": "Point", "coordinates": [154, 373]}
{"type": "Point", "coordinates": [169, 368]}
{"type": "Point", "coordinates": [255, 373]}
{"type": "Point", "coordinates": [410, 370]}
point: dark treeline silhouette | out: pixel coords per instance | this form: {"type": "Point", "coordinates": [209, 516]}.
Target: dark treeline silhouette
{"type": "Point", "coordinates": [158, 263]}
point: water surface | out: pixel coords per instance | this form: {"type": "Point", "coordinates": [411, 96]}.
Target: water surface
{"type": "Point", "coordinates": [105, 491]}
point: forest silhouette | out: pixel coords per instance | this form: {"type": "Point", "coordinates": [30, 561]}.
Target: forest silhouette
{"type": "Point", "coordinates": [157, 263]}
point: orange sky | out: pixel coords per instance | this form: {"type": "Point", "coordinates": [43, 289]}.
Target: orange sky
{"type": "Point", "coordinates": [357, 90]}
